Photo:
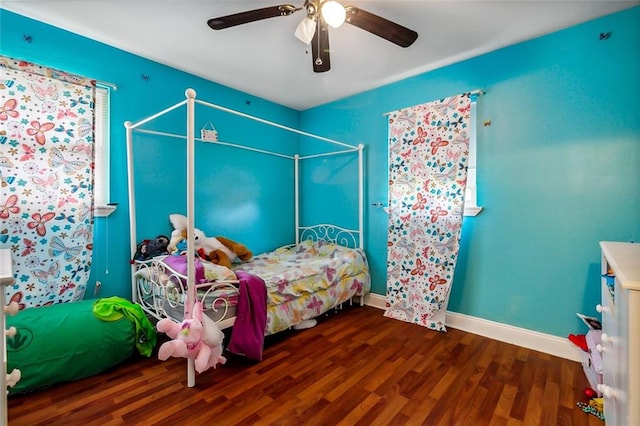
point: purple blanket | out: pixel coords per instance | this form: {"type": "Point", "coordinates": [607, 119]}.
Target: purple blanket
{"type": "Point", "coordinates": [247, 336]}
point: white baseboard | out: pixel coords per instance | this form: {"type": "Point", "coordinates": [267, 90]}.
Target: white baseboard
{"type": "Point", "coordinates": [541, 342]}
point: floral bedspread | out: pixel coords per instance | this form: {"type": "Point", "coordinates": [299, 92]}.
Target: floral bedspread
{"type": "Point", "coordinates": [307, 280]}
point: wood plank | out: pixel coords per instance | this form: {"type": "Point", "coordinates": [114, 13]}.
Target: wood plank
{"type": "Point", "coordinates": [356, 367]}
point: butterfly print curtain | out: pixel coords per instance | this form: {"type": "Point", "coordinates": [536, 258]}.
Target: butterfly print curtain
{"type": "Point", "coordinates": [46, 161]}
{"type": "Point", "coordinates": [428, 154]}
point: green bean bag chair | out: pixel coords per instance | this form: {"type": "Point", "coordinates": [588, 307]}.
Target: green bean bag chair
{"type": "Point", "coordinates": [70, 341]}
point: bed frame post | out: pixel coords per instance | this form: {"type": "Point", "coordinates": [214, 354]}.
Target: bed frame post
{"type": "Point", "coordinates": [361, 202]}
{"type": "Point", "coordinates": [296, 195]}
{"type": "Point", "coordinates": [361, 195]}
{"type": "Point", "coordinates": [132, 208]}
{"type": "Point", "coordinates": [191, 274]}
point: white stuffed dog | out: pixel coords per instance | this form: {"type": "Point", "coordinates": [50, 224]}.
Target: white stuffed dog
{"type": "Point", "coordinates": [219, 250]}
{"type": "Point", "coordinates": [207, 244]}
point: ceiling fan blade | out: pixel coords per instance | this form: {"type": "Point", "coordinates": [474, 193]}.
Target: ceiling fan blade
{"type": "Point", "coordinates": [320, 47]}
{"type": "Point", "coordinates": [251, 16]}
{"type": "Point", "coordinates": [388, 30]}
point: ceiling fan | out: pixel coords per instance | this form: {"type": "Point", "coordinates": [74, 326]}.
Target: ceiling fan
{"type": "Point", "coordinates": [314, 28]}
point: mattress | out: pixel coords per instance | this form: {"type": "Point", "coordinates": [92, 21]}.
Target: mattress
{"type": "Point", "coordinates": [303, 281]}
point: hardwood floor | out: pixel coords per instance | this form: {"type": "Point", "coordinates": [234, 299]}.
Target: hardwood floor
{"type": "Point", "coordinates": [354, 368]}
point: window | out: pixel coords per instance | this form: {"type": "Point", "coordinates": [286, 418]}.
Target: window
{"type": "Point", "coordinates": [101, 147]}
{"type": "Point", "coordinates": [471, 207]}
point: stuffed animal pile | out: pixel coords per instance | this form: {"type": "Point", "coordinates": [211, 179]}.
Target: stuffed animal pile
{"type": "Point", "coordinates": [198, 338]}
{"type": "Point", "coordinates": [219, 250]}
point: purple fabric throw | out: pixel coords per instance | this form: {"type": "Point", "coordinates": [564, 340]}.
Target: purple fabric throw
{"type": "Point", "coordinates": [179, 264]}
{"type": "Point", "coordinates": [247, 336]}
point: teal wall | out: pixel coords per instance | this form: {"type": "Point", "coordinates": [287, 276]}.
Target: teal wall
{"type": "Point", "coordinates": [558, 169]}
{"type": "Point", "coordinates": [559, 166]}
{"type": "Point", "coordinates": [235, 197]}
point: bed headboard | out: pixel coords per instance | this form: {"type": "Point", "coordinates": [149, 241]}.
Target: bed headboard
{"type": "Point", "coordinates": [330, 233]}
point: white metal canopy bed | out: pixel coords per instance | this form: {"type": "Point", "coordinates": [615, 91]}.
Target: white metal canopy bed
{"type": "Point", "coordinates": [326, 263]}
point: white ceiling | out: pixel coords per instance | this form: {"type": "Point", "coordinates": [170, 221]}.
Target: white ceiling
{"type": "Point", "coordinates": [265, 59]}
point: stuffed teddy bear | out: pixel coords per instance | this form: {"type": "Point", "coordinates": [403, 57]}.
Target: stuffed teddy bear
{"type": "Point", "coordinates": [219, 250]}
{"type": "Point", "coordinates": [198, 338]}
{"type": "Point", "coordinates": [240, 253]}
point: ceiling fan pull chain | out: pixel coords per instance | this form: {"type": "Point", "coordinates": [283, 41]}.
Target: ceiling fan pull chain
{"type": "Point", "coordinates": [318, 60]}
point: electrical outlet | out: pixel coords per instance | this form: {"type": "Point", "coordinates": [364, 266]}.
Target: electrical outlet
{"type": "Point", "coordinates": [96, 289]}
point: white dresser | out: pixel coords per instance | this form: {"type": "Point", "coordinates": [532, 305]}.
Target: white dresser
{"type": "Point", "coordinates": [620, 346]}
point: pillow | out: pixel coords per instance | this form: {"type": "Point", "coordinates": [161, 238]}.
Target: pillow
{"type": "Point", "coordinates": [332, 250]}
{"type": "Point", "coordinates": [307, 247]}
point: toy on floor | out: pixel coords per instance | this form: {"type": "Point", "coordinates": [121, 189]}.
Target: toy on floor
{"type": "Point", "coordinates": [580, 340]}
{"type": "Point", "coordinates": [595, 407]}
{"type": "Point", "coordinates": [597, 403]}
{"type": "Point", "coordinates": [310, 323]}
{"type": "Point", "coordinates": [198, 338]}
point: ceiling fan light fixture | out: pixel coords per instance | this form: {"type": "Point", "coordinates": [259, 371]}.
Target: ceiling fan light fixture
{"type": "Point", "coordinates": [306, 30]}
{"type": "Point", "coordinates": [313, 30]}
{"type": "Point", "coordinates": [333, 13]}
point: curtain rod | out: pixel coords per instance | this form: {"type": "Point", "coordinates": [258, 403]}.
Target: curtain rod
{"type": "Point", "coordinates": [111, 86]}
{"type": "Point", "coordinates": [476, 92]}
